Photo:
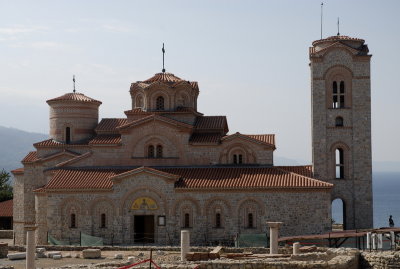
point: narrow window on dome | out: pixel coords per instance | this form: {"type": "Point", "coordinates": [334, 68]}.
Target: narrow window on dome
{"type": "Point", "coordinates": [339, 163]}
{"type": "Point", "coordinates": [150, 151]}
{"type": "Point", "coordinates": [103, 221]}
{"type": "Point", "coordinates": [250, 220]}
{"type": "Point", "coordinates": [159, 151]}
{"type": "Point", "coordinates": [68, 135]}
{"type": "Point", "coordinates": [240, 159]}
{"type": "Point", "coordinates": [187, 221]}
{"type": "Point", "coordinates": [72, 221]}
{"type": "Point", "coordinates": [218, 220]}
{"type": "Point", "coordinates": [235, 159]}
{"type": "Point", "coordinates": [160, 103]}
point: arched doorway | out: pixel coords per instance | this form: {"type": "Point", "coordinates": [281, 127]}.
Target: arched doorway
{"type": "Point", "coordinates": [338, 214]}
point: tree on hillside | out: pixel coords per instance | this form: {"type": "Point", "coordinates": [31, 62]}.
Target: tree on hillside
{"type": "Point", "coordinates": [6, 190]}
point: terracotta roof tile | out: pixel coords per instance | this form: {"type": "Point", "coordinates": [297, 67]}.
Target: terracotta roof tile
{"type": "Point", "coordinates": [30, 157]}
{"type": "Point", "coordinates": [105, 139]}
{"type": "Point", "coordinates": [53, 143]}
{"type": "Point", "coordinates": [205, 138]}
{"type": "Point", "coordinates": [18, 171]}
{"type": "Point", "coordinates": [74, 96]}
{"type": "Point", "coordinates": [163, 77]}
{"type": "Point", "coordinates": [305, 170]}
{"type": "Point", "coordinates": [192, 178]}
{"type": "Point", "coordinates": [75, 179]}
{"type": "Point", "coordinates": [110, 125]}
{"type": "Point", "coordinates": [242, 178]}
{"type": "Point", "coordinates": [266, 138]}
{"type": "Point", "coordinates": [211, 123]}
{"type": "Point", "coordinates": [6, 208]}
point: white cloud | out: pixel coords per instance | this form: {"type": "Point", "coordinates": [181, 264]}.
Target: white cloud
{"type": "Point", "coordinates": [20, 29]}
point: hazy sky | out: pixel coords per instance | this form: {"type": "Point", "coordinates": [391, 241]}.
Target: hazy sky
{"type": "Point", "coordinates": [249, 57]}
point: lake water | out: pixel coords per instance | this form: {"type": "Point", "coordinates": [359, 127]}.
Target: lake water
{"type": "Point", "coordinates": [386, 193]}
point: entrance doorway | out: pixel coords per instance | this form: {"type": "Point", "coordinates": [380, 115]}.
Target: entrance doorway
{"type": "Point", "coordinates": [143, 229]}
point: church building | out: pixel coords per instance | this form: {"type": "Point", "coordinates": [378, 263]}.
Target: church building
{"type": "Point", "coordinates": [167, 167]}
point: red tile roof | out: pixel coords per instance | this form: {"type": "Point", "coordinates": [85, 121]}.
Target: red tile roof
{"type": "Point", "coordinates": [266, 138]}
{"type": "Point", "coordinates": [105, 139]}
{"type": "Point", "coordinates": [18, 171]}
{"type": "Point", "coordinates": [211, 123]}
{"type": "Point", "coordinates": [205, 138]}
{"type": "Point", "coordinates": [110, 125]}
{"type": "Point", "coordinates": [154, 117]}
{"type": "Point", "coordinates": [243, 178]}
{"type": "Point", "coordinates": [163, 77]}
{"type": "Point", "coordinates": [92, 179]}
{"type": "Point", "coordinates": [6, 208]}
{"type": "Point", "coordinates": [305, 170]}
{"type": "Point", "coordinates": [74, 96]}
{"type": "Point", "coordinates": [53, 143]}
{"type": "Point", "coordinates": [337, 38]}
{"type": "Point", "coordinates": [192, 178]}
{"type": "Point", "coordinates": [30, 157]}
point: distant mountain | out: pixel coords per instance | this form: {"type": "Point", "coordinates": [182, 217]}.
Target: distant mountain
{"type": "Point", "coordinates": [14, 145]}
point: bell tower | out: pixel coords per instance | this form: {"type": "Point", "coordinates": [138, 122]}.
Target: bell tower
{"type": "Point", "coordinates": [341, 124]}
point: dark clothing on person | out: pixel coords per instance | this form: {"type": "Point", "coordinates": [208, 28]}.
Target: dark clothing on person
{"type": "Point", "coordinates": [391, 222]}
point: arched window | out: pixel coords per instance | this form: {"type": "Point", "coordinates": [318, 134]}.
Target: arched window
{"type": "Point", "coordinates": [72, 221]}
{"type": "Point", "coordinates": [339, 163]}
{"type": "Point", "coordinates": [338, 96]}
{"type": "Point", "coordinates": [67, 135]}
{"type": "Point", "coordinates": [103, 220]}
{"type": "Point", "coordinates": [160, 103]}
{"type": "Point", "coordinates": [339, 122]}
{"type": "Point", "coordinates": [186, 223]}
{"type": "Point", "coordinates": [250, 220]}
{"type": "Point", "coordinates": [237, 158]}
{"type": "Point", "coordinates": [218, 220]}
{"type": "Point", "coordinates": [159, 151]}
{"type": "Point", "coordinates": [150, 151]}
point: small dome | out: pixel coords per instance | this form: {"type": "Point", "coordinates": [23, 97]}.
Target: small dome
{"type": "Point", "coordinates": [74, 96]}
{"type": "Point", "coordinates": [163, 77]}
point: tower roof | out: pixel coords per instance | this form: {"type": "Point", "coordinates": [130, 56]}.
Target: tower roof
{"type": "Point", "coordinates": [338, 38]}
{"type": "Point", "coordinates": [75, 97]}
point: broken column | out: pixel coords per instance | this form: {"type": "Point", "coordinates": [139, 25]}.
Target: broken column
{"type": "Point", "coordinates": [296, 248]}
{"type": "Point", "coordinates": [273, 236]}
{"type": "Point", "coordinates": [185, 244]}
{"type": "Point", "coordinates": [30, 247]}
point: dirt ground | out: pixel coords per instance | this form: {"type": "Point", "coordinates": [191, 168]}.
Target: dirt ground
{"type": "Point", "coordinates": [107, 257]}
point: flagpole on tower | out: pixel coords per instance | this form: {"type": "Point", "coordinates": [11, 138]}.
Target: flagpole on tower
{"type": "Point", "coordinates": [322, 10]}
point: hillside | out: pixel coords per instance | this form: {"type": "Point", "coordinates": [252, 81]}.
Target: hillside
{"type": "Point", "coordinates": [14, 145]}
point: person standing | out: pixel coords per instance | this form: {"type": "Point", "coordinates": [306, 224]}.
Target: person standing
{"type": "Point", "coordinates": [391, 222]}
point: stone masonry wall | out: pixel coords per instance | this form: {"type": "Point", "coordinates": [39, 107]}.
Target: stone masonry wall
{"type": "Point", "coordinates": [309, 210]}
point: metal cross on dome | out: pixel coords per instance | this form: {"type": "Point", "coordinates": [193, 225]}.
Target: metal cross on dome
{"type": "Point", "coordinates": [73, 79]}
{"type": "Point", "coordinates": [163, 53]}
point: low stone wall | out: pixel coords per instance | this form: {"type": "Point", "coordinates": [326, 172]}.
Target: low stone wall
{"type": "Point", "coordinates": [6, 234]}
{"type": "Point", "coordinates": [380, 260]}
